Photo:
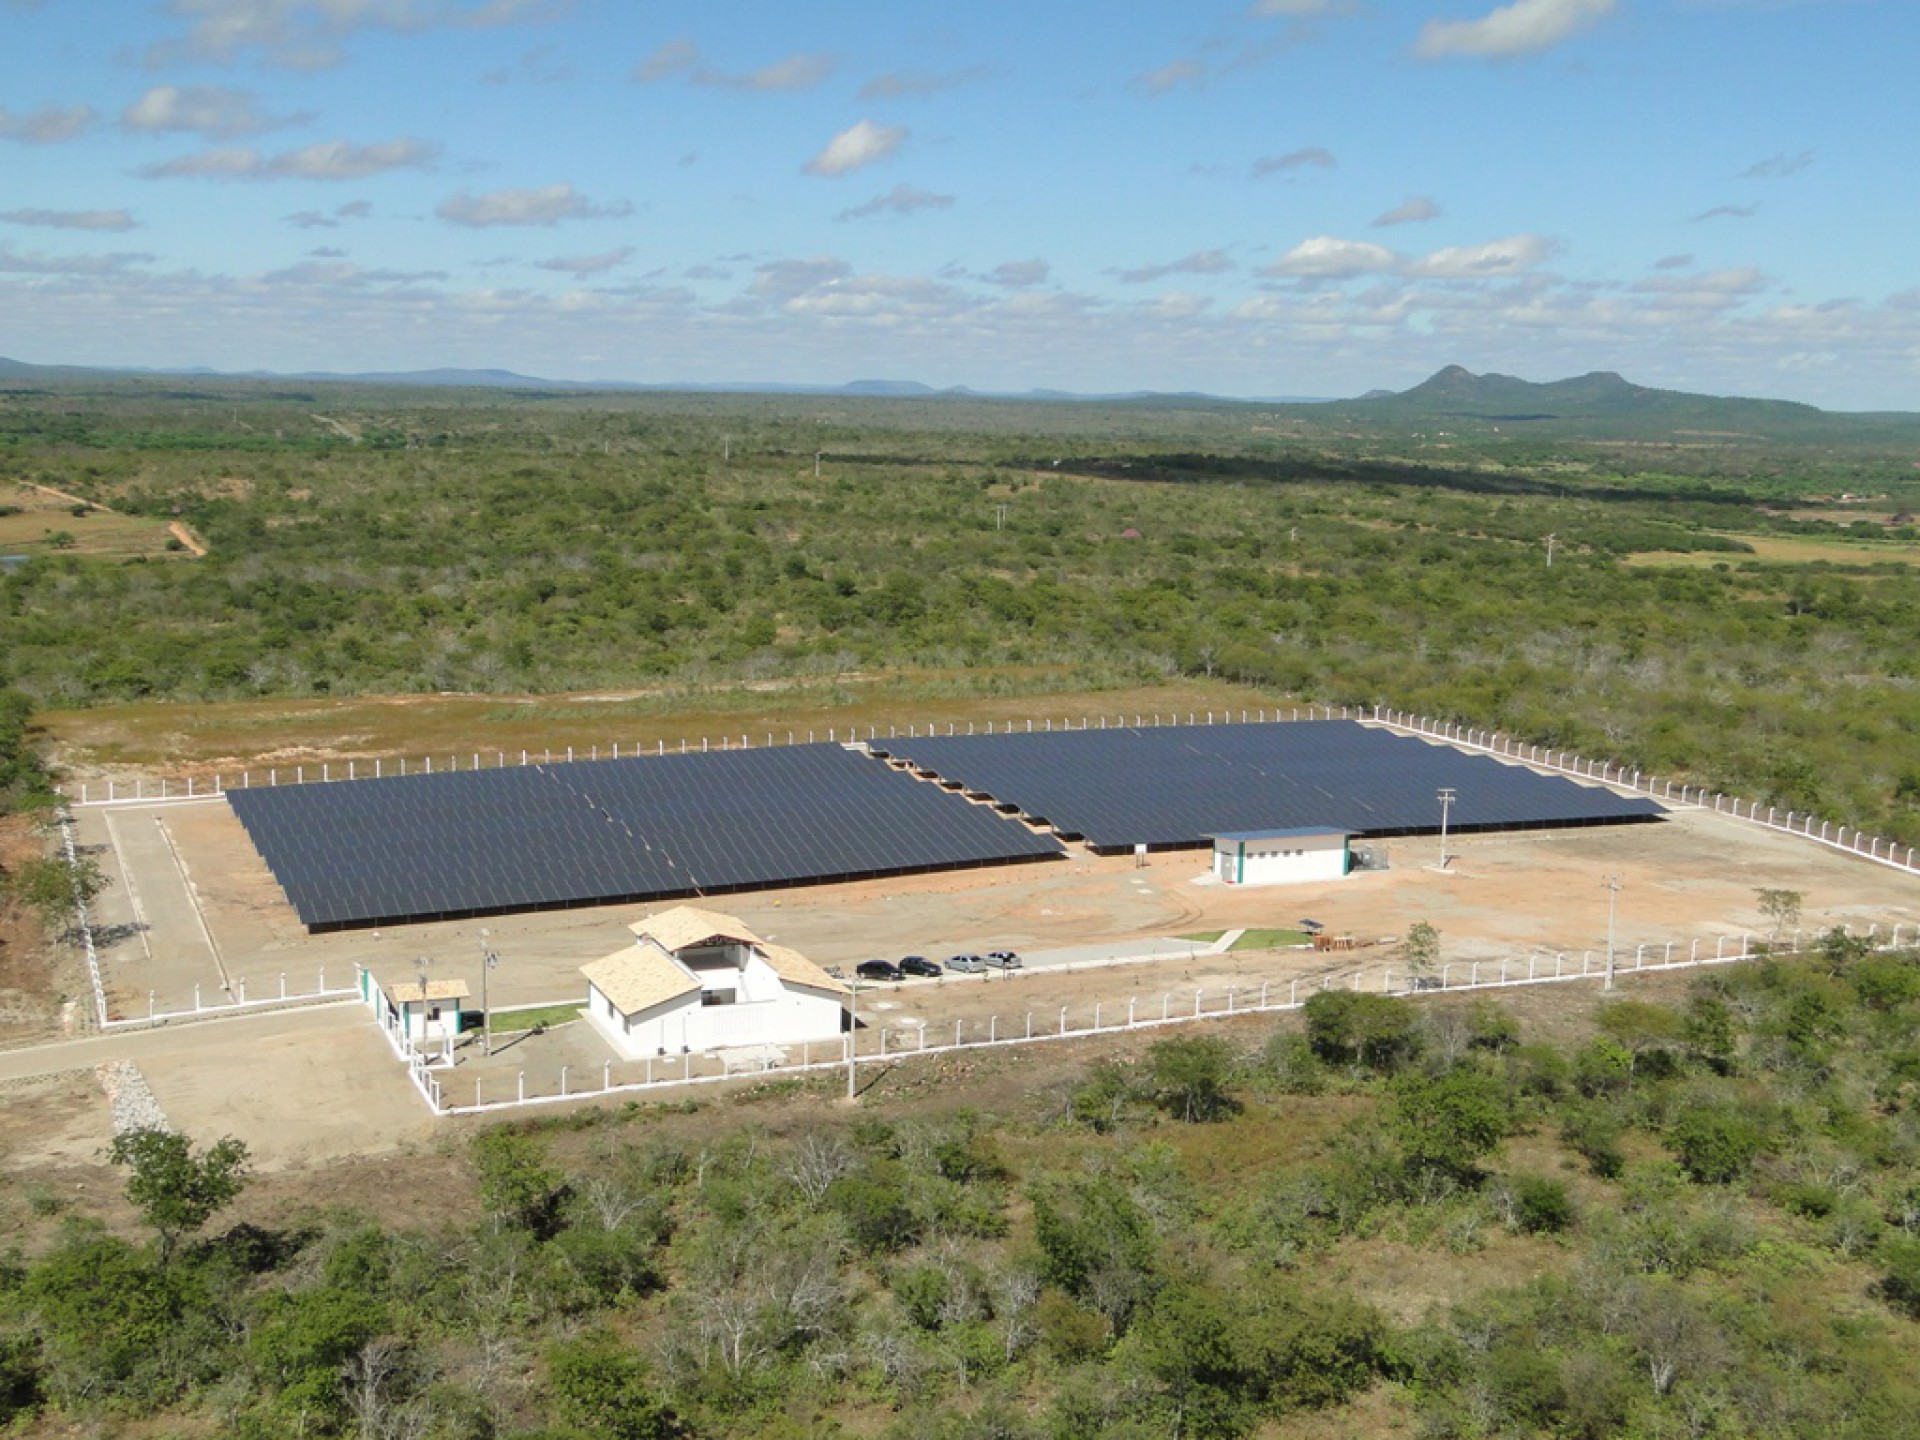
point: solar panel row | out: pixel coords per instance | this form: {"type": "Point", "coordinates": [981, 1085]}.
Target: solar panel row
{"type": "Point", "coordinates": [1179, 785]}
{"type": "Point", "coordinates": [593, 832]}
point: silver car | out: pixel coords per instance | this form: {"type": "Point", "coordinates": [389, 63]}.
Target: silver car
{"type": "Point", "coordinates": [966, 964]}
{"type": "Point", "coordinates": [1003, 960]}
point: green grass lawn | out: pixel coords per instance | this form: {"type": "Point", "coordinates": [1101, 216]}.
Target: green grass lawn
{"type": "Point", "coordinates": [1271, 939]}
{"type": "Point", "coordinates": [505, 1022]}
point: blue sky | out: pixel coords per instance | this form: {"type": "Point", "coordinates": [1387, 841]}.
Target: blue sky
{"type": "Point", "coordinates": [1275, 197]}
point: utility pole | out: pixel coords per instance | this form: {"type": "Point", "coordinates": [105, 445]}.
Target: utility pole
{"type": "Point", "coordinates": [999, 517]}
{"type": "Point", "coordinates": [816, 463]}
{"type": "Point", "coordinates": [1550, 540]}
{"type": "Point", "coordinates": [1613, 891]}
{"type": "Point", "coordinates": [853, 1033]}
{"type": "Point", "coordinates": [1446, 798]}
{"type": "Point", "coordinates": [487, 961]}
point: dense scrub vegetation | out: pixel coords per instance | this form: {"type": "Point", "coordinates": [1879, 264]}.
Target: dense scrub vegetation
{"type": "Point", "coordinates": [547, 543]}
{"type": "Point", "coordinates": [1700, 1221]}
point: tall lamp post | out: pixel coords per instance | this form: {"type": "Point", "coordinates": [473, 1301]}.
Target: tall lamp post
{"type": "Point", "coordinates": [1613, 892]}
{"type": "Point", "coordinates": [487, 961]}
{"type": "Point", "coordinates": [1446, 798]}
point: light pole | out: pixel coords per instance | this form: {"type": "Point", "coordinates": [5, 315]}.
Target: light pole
{"type": "Point", "coordinates": [1446, 798]}
{"type": "Point", "coordinates": [853, 1033]}
{"type": "Point", "coordinates": [1550, 541]}
{"type": "Point", "coordinates": [1613, 891]}
{"type": "Point", "coordinates": [487, 961]}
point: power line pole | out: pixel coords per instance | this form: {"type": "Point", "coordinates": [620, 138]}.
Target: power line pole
{"type": "Point", "coordinates": [1550, 540]}
{"type": "Point", "coordinates": [853, 1033]}
{"type": "Point", "coordinates": [487, 961]}
{"type": "Point", "coordinates": [1613, 891]}
{"type": "Point", "coordinates": [1446, 798]}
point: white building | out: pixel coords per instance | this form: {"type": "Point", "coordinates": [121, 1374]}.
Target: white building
{"type": "Point", "coordinates": [695, 980]}
{"type": "Point", "coordinates": [427, 1012]}
{"type": "Point", "coordinates": [1281, 857]}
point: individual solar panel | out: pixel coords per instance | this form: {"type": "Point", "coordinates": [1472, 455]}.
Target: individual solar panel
{"type": "Point", "coordinates": [1178, 785]}
{"type": "Point", "coordinates": [369, 852]}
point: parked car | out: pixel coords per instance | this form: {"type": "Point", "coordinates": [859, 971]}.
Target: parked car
{"type": "Point", "coordinates": [966, 964]}
{"type": "Point", "coordinates": [920, 965]}
{"type": "Point", "coordinates": [1003, 960]}
{"type": "Point", "coordinates": [878, 970]}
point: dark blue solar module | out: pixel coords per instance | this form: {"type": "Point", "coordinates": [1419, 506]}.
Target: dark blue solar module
{"type": "Point", "coordinates": [1181, 784]}
{"type": "Point", "coordinates": [369, 852]}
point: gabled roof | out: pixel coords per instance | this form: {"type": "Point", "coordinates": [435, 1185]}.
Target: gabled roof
{"type": "Point", "coordinates": [637, 979]}
{"type": "Point", "coordinates": [685, 925]}
{"type": "Point", "coordinates": [793, 968]}
{"type": "Point", "coordinates": [419, 992]}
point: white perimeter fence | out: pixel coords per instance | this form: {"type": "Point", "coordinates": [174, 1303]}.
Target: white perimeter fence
{"type": "Point", "coordinates": [883, 1043]}
{"type": "Point", "coordinates": [1836, 836]}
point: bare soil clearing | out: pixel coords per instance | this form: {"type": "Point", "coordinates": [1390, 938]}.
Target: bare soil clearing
{"type": "Point", "coordinates": [228, 737]}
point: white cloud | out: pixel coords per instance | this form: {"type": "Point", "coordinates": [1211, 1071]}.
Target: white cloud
{"type": "Point", "coordinates": [1414, 210]}
{"type": "Point", "coordinates": [1778, 166]}
{"type": "Point", "coordinates": [48, 125]}
{"type": "Point", "coordinates": [672, 58]}
{"type": "Point", "coordinates": [1314, 156]}
{"type": "Point", "coordinates": [1510, 256]}
{"type": "Point", "coordinates": [1326, 257]}
{"type": "Point", "coordinates": [1727, 212]}
{"type": "Point", "coordinates": [796, 72]}
{"type": "Point", "coordinates": [859, 145]}
{"type": "Point", "coordinates": [1526, 27]}
{"type": "Point", "coordinates": [1292, 7]}
{"type": "Point", "coordinates": [1019, 274]}
{"type": "Point", "coordinates": [321, 220]}
{"type": "Point", "coordinates": [546, 205]}
{"type": "Point", "coordinates": [901, 200]}
{"type": "Point", "coordinates": [781, 280]}
{"type": "Point", "coordinates": [917, 84]}
{"type": "Point", "coordinates": [307, 34]}
{"type": "Point", "coordinates": [329, 160]}
{"type": "Point", "coordinates": [17, 263]}
{"type": "Point", "coordinates": [70, 219]}
{"type": "Point", "coordinates": [1171, 76]}
{"type": "Point", "coordinates": [1176, 305]}
{"type": "Point", "coordinates": [213, 112]}
{"type": "Point", "coordinates": [1200, 262]}
{"type": "Point", "coordinates": [584, 265]}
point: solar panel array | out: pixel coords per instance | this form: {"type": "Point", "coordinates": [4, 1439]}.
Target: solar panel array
{"type": "Point", "coordinates": [1180, 784]}
{"type": "Point", "coordinates": [370, 852]}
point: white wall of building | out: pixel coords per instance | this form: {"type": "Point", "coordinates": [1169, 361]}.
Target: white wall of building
{"type": "Point", "coordinates": [765, 1013]}
{"type": "Point", "coordinates": [1283, 860]}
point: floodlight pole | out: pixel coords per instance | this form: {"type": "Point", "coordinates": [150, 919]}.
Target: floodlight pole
{"type": "Point", "coordinates": [1613, 891]}
{"type": "Point", "coordinates": [1550, 540]}
{"type": "Point", "coordinates": [1446, 798]}
{"type": "Point", "coordinates": [487, 961]}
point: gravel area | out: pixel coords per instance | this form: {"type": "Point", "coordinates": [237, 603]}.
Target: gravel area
{"type": "Point", "coordinates": [131, 1098]}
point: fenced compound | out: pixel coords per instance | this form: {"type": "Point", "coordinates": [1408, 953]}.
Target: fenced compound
{"type": "Point", "coordinates": [1832, 834]}
{"type": "Point", "coordinates": [448, 1093]}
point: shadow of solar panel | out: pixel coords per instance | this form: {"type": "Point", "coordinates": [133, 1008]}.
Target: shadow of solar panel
{"type": "Point", "coordinates": [421, 847]}
{"type": "Point", "coordinates": [1179, 785]}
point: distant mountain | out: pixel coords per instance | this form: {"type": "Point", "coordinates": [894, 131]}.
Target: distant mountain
{"type": "Point", "coordinates": [1599, 404]}
{"type": "Point", "coordinates": [449, 378]}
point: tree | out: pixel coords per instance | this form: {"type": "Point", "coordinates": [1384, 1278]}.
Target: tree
{"type": "Point", "coordinates": [517, 1186]}
{"type": "Point", "coordinates": [1420, 950]}
{"type": "Point", "coordinates": [1189, 1076]}
{"type": "Point", "coordinates": [1346, 1027]}
{"type": "Point", "coordinates": [603, 1387]}
{"type": "Point", "coordinates": [54, 889]}
{"type": "Point", "coordinates": [175, 1190]}
{"type": "Point", "coordinates": [1781, 907]}
{"type": "Point", "coordinates": [1447, 1122]}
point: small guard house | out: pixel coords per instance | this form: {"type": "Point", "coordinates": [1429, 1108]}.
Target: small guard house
{"type": "Point", "coordinates": [1281, 857]}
